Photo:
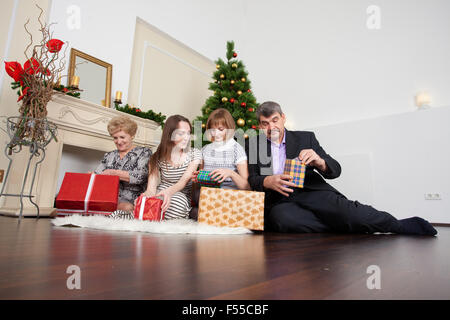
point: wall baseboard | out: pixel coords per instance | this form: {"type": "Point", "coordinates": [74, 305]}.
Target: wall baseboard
{"type": "Point", "coordinates": [440, 224]}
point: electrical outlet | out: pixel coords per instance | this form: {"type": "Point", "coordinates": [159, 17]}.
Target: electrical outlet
{"type": "Point", "coordinates": [432, 196]}
{"type": "Point", "coordinates": [2, 174]}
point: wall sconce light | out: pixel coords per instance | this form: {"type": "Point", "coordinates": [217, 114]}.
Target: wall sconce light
{"type": "Point", "coordinates": [423, 100]}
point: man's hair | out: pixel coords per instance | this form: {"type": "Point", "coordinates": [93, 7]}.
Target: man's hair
{"type": "Point", "coordinates": [268, 108]}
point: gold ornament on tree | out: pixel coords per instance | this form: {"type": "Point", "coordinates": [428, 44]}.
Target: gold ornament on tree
{"type": "Point", "coordinates": [239, 92]}
{"type": "Point", "coordinates": [241, 122]}
{"type": "Point", "coordinates": [232, 82]}
{"type": "Point", "coordinates": [217, 66]}
{"type": "Point", "coordinates": [222, 76]}
{"type": "Point", "coordinates": [234, 65]}
{"type": "Point", "coordinates": [224, 99]}
{"type": "Point", "coordinates": [243, 79]}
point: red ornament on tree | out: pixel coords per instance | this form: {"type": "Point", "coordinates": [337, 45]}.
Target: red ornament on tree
{"type": "Point", "coordinates": [243, 104]}
{"type": "Point", "coordinates": [234, 54]}
{"type": "Point", "coordinates": [253, 127]}
{"type": "Point", "coordinates": [249, 90]}
{"type": "Point", "coordinates": [232, 100]}
{"type": "Point", "coordinates": [250, 109]}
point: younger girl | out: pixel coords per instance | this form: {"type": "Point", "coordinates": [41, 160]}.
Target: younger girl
{"type": "Point", "coordinates": [224, 157]}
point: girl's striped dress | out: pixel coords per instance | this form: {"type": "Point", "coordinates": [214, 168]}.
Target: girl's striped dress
{"type": "Point", "coordinates": [180, 203]}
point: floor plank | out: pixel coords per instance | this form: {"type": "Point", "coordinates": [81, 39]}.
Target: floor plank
{"type": "Point", "coordinates": [34, 257]}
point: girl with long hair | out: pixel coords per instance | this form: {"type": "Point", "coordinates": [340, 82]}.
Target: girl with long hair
{"type": "Point", "coordinates": [171, 168]}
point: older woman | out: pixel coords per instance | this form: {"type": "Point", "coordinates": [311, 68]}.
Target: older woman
{"type": "Point", "coordinates": [129, 162]}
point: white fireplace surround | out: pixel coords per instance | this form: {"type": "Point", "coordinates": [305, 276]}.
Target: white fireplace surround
{"type": "Point", "coordinates": [81, 124]}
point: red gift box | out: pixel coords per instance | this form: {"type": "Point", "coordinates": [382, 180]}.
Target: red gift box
{"type": "Point", "coordinates": [148, 209]}
{"type": "Point", "coordinates": [87, 194]}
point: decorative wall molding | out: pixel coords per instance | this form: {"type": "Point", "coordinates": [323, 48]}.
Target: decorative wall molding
{"type": "Point", "coordinates": [91, 119]}
{"type": "Point", "coordinates": [147, 45]}
{"type": "Point", "coordinates": [67, 110]}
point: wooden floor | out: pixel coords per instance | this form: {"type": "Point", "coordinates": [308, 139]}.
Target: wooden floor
{"type": "Point", "coordinates": [34, 257]}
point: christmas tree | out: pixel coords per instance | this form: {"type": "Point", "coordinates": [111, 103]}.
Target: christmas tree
{"type": "Point", "coordinates": [232, 91]}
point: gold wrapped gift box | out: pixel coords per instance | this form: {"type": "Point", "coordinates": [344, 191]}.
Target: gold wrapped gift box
{"type": "Point", "coordinates": [231, 208]}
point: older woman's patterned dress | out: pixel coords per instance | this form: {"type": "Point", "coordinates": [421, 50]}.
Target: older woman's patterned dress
{"type": "Point", "coordinates": [180, 203]}
{"type": "Point", "coordinates": [136, 163]}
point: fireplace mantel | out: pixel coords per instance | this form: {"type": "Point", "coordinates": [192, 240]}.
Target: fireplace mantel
{"type": "Point", "coordinates": [76, 115]}
{"type": "Point", "coordinates": [82, 124]}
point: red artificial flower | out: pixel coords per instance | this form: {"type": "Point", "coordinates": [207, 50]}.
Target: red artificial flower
{"type": "Point", "coordinates": [65, 89]}
{"type": "Point", "coordinates": [24, 93]}
{"type": "Point", "coordinates": [47, 72]}
{"type": "Point", "coordinates": [54, 45]}
{"type": "Point", "coordinates": [34, 67]}
{"type": "Point", "coordinates": [31, 66]}
{"type": "Point", "coordinates": [14, 69]}
{"type": "Point", "coordinates": [138, 110]}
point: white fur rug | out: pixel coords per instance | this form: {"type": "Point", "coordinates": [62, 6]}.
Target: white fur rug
{"type": "Point", "coordinates": [169, 226]}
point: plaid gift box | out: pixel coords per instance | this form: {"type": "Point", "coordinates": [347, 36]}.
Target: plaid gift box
{"type": "Point", "coordinates": [148, 209]}
{"type": "Point", "coordinates": [295, 169]}
{"type": "Point", "coordinates": [204, 179]}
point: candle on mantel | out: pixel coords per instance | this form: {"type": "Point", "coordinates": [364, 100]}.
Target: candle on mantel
{"type": "Point", "coordinates": [103, 103]}
{"type": "Point", "coordinates": [118, 95]}
{"type": "Point", "coordinates": [75, 81]}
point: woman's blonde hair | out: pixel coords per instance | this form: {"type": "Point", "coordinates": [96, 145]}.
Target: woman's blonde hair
{"type": "Point", "coordinates": [219, 117]}
{"type": "Point", "coordinates": [120, 123]}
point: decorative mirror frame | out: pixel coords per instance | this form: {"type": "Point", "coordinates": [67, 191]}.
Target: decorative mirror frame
{"type": "Point", "coordinates": [77, 53]}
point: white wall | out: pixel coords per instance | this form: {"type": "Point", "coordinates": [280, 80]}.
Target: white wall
{"type": "Point", "coordinates": [391, 162]}
{"type": "Point", "coordinates": [316, 58]}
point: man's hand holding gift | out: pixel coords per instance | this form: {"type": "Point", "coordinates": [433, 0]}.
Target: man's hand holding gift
{"type": "Point", "coordinates": [310, 158]}
{"type": "Point", "coordinates": [280, 183]}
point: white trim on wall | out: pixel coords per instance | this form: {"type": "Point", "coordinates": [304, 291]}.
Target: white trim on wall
{"type": "Point", "coordinates": [147, 44]}
{"type": "Point", "coordinates": [8, 42]}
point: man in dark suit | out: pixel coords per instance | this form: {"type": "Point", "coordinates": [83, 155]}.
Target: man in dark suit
{"type": "Point", "coordinates": [318, 207]}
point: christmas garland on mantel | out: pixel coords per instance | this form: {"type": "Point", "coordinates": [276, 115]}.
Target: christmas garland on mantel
{"type": "Point", "coordinates": [150, 114]}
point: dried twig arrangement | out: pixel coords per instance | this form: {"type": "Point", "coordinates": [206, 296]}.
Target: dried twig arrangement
{"type": "Point", "coordinates": [37, 81]}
